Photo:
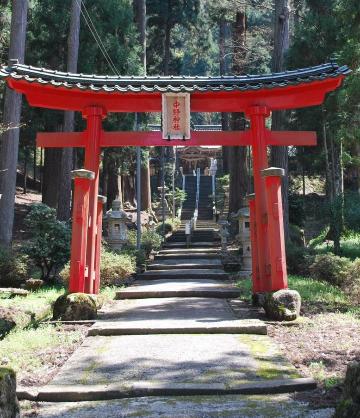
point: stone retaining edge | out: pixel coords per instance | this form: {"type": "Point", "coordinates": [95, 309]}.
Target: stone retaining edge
{"type": "Point", "coordinates": [53, 393]}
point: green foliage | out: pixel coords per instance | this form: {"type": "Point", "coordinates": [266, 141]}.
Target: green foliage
{"type": "Point", "coordinates": [352, 211]}
{"type": "Point", "coordinates": [13, 268]}
{"type": "Point", "coordinates": [296, 235]}
{"type": "Point", "coordinates": [330, 268]}
{"type": "Point", "coordinates": [150, 240]}
{"type": "Point", "coordinates": [115, 268]}
{"type": "Point", "coordinates": [352, 282]}
{"type": "Point", "coordinates": [170, 225]}
{"type": "Point", "coordinates": [311, 291]}
{"type": "Point", "coordinates": [298, 259]}
{"type": "Point", "coordinates": [296, 210]}
{"type": "Point", "coordinates": [49, 245]}
{"type": "Point", "coordinates": [320, 238]}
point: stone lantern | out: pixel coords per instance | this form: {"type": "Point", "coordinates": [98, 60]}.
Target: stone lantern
{"type": "Point", "coordinates": [116, 226]}
{"type": "Point", "coordinates": [243, 217]}
{"type": "Point", "coordinates": [224, 233]}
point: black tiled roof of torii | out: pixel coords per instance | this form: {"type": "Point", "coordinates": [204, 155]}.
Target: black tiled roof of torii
{"type": "Point", "coordinates": [176, 84]}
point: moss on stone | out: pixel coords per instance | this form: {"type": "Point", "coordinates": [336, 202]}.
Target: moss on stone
{"type": "Point", "coordinates": [74, 307]}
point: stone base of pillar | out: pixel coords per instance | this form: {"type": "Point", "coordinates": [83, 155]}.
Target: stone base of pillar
{"type": "Point", "coordinates": [282, 305]}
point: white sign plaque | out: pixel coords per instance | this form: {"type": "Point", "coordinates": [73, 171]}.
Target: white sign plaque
{"type": "Point", "coordinates": [176, 115]}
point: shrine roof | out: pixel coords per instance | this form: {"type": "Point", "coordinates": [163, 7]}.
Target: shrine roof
{"type": "Point", "coordinates": [171, 84]}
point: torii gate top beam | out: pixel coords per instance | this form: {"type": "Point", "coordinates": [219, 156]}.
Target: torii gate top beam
{"type": "Point", "coordinates": [66, 91]}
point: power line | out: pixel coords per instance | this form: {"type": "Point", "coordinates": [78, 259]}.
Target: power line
{"type": "Point", "coordinates": [94, 27]}
{"type": "Point", "coordinates": [96, 37]}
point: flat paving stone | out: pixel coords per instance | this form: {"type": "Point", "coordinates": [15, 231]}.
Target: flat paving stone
{"type": "Point", "coordinates": [179, 287]}
{"type": "Point", "coordinates": [174, 364]}
{"type": "Point", "coordinates": [172, 316]}
{"type": "Point", "coordinates": [227, 406]}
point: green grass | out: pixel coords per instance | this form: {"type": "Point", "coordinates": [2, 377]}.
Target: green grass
{"type": "Point", "coordinates": [34, 302]}
{"type": "Point", "coordinates": [23, 350]}
{"type": "Point", "coordinates": [350, 246]}
{"type": "Point", "coordinates": [313, 292]}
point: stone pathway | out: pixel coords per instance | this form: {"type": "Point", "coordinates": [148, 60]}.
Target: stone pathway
{"type": "Point", "coordinates": [173, 334]}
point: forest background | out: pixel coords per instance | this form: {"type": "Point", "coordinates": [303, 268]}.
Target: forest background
{"type": "Point", "coordinates": [193, 37]}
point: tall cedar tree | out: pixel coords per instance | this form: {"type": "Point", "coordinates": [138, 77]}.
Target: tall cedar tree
{"type": "Point", "coordinates": [10, 138]}
{"type": "Point", "coordinates": [64, 199]}
{"type": "Point", "coordinates": [238, 155]}
{"type": "Point", "coordinates": [279, 155]}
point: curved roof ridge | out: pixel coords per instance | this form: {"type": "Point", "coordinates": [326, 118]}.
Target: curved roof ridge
{"type": "Point", "coordinates": [163, 84]}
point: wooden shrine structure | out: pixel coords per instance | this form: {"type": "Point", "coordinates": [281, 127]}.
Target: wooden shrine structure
{"type": "Point", "coordinates": [254, 95]}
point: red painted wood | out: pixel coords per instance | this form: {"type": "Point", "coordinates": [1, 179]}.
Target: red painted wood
{"type": "Point", "coordinates": [98, 246]}
{"type": "Point", "coordinates": [79, 235]}
{"type": "Point", "coordinates": [288, 138]}
{"type": "Point", "coordinates": [61, 139]}
{"type": "Point", "coordinates": [198, 138]}
{"type": "Point", "coordinates": [276, 233]}
{"type": "Point", "coordinates": [257, 117]}
{"type": "Point", "coordinates": [289, 97]}
{"type": "Point", "coordinates": [94, 116]}
{"type": "Point", "coordinates": [256, 283]}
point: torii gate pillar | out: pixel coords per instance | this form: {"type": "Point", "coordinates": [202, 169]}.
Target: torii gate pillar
{"type": "Point", "coordinates": [257, 116]}
{"type": "Point", "coordinates": [94, 116]}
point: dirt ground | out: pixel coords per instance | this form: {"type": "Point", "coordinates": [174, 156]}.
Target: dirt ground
{"type": "Point", "coordinates": [52, 359]}
{"type": "Point", "coordinates": [321, 347]}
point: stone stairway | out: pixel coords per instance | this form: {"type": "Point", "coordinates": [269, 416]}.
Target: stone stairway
{"type": "Point", "coordinates": [173, 333]}
{"type": "Point", "coordinates": [205, 198]}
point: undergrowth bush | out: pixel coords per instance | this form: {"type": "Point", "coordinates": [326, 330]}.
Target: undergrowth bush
{"type": "Point", "coordinates": [299, 259]}
{"type": "Point", "coordinates": [352, 282]}
{"type": "Point", "coordinates": [49, 246]}
{"type": "Point", "coordinates": [170, 225]}
{"type": "Point", "coordinates": [114, 268]}
{"type": "Point", "coordinates": [13, 268]}
{"type": "Point", "coordinates": [150, 240]}
{"type": "Point", "coordinates": [320, 238]}
{"type": "Point", "coordinates": [330, 268]}
{"type": "Point", "coordinates": [296, 210]}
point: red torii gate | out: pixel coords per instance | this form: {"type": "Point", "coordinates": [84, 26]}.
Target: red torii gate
{"type": "Point", "coordinates": [256, 96]}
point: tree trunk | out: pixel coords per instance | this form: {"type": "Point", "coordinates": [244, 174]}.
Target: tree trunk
{"type": "Point", "coordinates": [64, 203]}
{"type": "Point", "coordinates": [9, 141]}
{"type": "Point", "coordinates": [224, 116]}
{"type": "Point", "coordinates": [140, 18]}
{"type": "Point", "coordinates": [238, 155]}
{"type": "Point", "coordinates": [279, 155]}
{"type": "Point", "coordinates": [129, 189]}
{"type": "Point", "coordinates": [140, 15]}
{"type": "Point", "coordinates": [26, 159]}
{"type": "Point", "coordinates": [167, 48]}
{"type": "Point", "coordinates": [145, 188]}
{"type": "Point", "coordinates": [51, 173]}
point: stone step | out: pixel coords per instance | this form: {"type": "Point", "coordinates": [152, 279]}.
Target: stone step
{"type": "Point", "coordinates": [140, 389]}
{"type": "Point", "coordinates": [187, 251]}
{"type": "Point", "coordinates": [194, 244]}
{"type": "Point", "coordinates": [217, 274]}
{"type": "Point", "coordinates": [187, 255]}
{"type": "Point", "coordinates": [185, 264]}
{"type": "Point", "coordinates": [175, 364]}
{"type": "Point", "coordinates": [179, 288]}
{"type": "Point", "coordinates": [229, 406]}
{"type": "Point", "coordinates": [230, 327]}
